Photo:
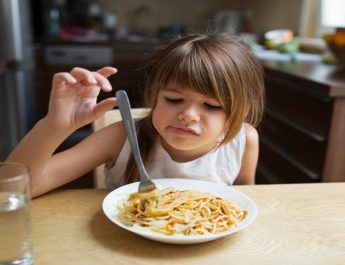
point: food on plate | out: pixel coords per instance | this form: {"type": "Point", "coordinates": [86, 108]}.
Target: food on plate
{"type": "Point", "coordinates": [180, 212]}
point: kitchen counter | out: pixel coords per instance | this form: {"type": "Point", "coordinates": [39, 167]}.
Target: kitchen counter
{"type": "Point", "coordinates": [304, 69]}
{"type": "Point", "coordinates": [296, 224]}
{"type": "Point", "coordinates": [302, 135]}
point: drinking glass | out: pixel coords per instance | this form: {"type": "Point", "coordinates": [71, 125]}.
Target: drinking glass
{"type": "Point", "coordinates": [15, 225]}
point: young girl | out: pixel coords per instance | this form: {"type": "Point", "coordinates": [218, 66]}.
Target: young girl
{"type": "Point", "coordinates": [203, 90]}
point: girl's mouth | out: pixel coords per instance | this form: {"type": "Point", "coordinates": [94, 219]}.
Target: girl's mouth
{"type": "Point", "coordinates": [184, 131]}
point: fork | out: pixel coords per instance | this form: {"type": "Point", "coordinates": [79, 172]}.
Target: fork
{"type": "Point", "coordinates": [145, 184]}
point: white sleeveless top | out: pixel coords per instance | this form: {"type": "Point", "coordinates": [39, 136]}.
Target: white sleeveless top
{"type": "Point", "coordinates": [221, 165]}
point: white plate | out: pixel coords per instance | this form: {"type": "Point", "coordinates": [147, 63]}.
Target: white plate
{"type": "Point", "coordinates": [111, 201]}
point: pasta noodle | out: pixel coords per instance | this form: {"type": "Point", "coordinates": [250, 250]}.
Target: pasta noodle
{"type": "Point", "coordinates": [170, 211]}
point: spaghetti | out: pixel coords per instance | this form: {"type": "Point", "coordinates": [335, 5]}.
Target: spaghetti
{"type": "Point", "coordinates": [170, 211]}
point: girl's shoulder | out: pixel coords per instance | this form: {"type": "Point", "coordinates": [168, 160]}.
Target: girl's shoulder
{"type": "Point", "coordinates": [247, 136]}
{"type": "Point", "coordinates": [251, 133]}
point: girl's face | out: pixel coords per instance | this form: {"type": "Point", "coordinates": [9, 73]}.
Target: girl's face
{"type": "Point", "coordinates": [189, 123]}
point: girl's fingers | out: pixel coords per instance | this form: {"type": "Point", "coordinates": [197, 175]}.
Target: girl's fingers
{"type": "Point", "coordinates": [83, 75]}
{"type": "Point", "coordinates": [107, 71]}
{"type": "Point", "coordinates": [103, 106]}
{"type": "Point", "coordinates": [94, 78]}
{"type": "Point", "coordinates": [61, 78]}
{"type": "Point", "coordinates": [102, 81]}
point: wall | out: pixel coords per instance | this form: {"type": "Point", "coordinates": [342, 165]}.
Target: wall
{"type": "Point", "coordinates": [152, 14]}
{"type": "Point", "coordinates": [195, 14]}
{"type": "Point", "coordinates": [274, 14]}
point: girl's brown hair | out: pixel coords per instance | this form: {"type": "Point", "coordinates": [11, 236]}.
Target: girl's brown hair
{"type": "Point", "coordinates": [215, 64]}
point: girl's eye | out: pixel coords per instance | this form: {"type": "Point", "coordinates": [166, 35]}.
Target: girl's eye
{"type": "Point", "coordinates": [173, 100]}
{"type": "Point", "coordinates": [213, 107]}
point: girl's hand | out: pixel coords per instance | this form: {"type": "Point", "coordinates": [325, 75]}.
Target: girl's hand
{"type": "Point", "coordinates": [73, 100]}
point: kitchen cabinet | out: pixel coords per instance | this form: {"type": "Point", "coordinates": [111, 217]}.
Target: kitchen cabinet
{"type": "Point", "coordinates": [302, 137]}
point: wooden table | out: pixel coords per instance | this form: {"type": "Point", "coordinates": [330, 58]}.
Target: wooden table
{"type": "Point", "coordinates": [296, 224]}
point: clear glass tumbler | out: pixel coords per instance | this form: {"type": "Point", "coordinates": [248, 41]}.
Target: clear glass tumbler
{"type": "Point", "coordinates": [15, 215]}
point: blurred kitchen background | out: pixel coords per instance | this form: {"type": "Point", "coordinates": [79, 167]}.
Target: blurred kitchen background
{"type": "Point", "coordinates": [42, 37]}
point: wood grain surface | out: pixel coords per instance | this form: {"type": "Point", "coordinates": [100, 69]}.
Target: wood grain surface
{"type": "Point", "coordinates": [296, 224]}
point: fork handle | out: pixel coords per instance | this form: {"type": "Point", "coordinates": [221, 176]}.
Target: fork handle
{"type": "Point", "coordinates": [125, 110]}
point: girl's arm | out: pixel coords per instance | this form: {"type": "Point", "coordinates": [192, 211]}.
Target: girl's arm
{"type": "Point", "coordinates": [101, 146]}
{"type": "Point", "coordinates": [73, 104]}
{"type": "Point", "coordinates": [250, 158]}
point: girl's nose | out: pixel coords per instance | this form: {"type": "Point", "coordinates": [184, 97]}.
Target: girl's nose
{"type": "Point", "coordinates": [189, 114]}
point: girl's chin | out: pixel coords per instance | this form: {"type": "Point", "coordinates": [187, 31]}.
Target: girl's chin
{"type": "Point", "coordinates": [182, 145]}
